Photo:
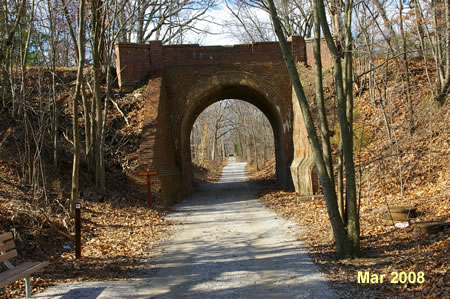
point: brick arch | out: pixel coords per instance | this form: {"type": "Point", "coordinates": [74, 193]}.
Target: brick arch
{"type": "Point", "coordinates": [184, 79]}
{"type": "Point", "coordinates": [233, 85]}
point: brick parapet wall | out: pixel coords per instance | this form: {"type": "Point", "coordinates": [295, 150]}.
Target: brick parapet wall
{"type": "Point", "coordinates": [135, 62]}
{"type": "Point", "coordinates": [324, 52]}
{"type": "Point", "coordinates": [210, 55]}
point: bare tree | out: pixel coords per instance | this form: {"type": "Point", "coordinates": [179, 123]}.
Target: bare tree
{"type": "Point", "coordinates": [441, 24]}
{"type": "Point", "coordinates": [166, 20]}
{"type": "Point", "coordinates": [406, 70]}
{"type": "Point", "coordinates": [12, 14]}
{"type": "Point", "coordinates": [346, 231]}
{"type": "Point", "coordinates": [77, 98]}
{"type": "Point", "coordinates": [251, 25]}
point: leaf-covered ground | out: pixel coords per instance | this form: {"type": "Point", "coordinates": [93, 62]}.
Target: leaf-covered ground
{"type": "Point", "coordinates": [386, 249]}
{"type": "Point", "coordinates": [118, 230]}
{"type": "Point", "coordinates": [208, 171]}
{"type": "Point", "coordinates": [117, 237]}
{"type": "Point", "coordinates": [411, 170]}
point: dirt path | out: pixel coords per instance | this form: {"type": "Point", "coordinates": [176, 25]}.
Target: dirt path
{"type": "Point", "coordinates": [228, 245]}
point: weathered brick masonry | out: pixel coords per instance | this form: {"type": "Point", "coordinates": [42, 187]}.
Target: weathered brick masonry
{"type": "Point", "coordinates": [184, 79]}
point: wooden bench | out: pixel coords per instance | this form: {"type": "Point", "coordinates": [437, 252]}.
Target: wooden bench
{"type": "Point", "coordinates": [8, 251]}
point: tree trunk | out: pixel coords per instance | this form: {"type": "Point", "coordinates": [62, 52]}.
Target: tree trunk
{"type": "Point", "coordinates": [55, 112]}
{"type": "Point", "coordinates": [97, 20]}
{"type": "Point", "coordinates": [255, 149]}
{"type": "Point", "coordinates": [343, 246]}
{"type": "Point", "coordinates": [325, 133]}
{"type": "Point", "coordinates": [406, 72]}
{"type": "Point", "coordinates": [76, 98]}
{"type": "Point", "coordinates": [87, 126]}
{"type": "Point", "coordinates": [353, 229]}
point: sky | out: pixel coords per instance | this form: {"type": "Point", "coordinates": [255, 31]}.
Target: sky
{"type": "Point", "coordinates": [220, 17]}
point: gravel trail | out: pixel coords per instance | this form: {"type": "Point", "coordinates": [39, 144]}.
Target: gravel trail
{"type": "Point", "coordinates": [227, 245]}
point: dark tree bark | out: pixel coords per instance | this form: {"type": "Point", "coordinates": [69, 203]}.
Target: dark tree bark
{"type": "Point", "coordinates": [77, 98]}
{"type": "Point", "coordinates": [346, 244]}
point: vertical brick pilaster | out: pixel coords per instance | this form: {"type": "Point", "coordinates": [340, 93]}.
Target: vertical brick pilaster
{"type": "Point", "coordinates": [156, 56]}
{"type": "Point", "coordinates": [118, 63]}
{"type": "Point", "coordinates": [298, 48]}
{"type": "Point", "coordinates": [132, 64]}
{"type": "Point", "coordinates": [324, 53]}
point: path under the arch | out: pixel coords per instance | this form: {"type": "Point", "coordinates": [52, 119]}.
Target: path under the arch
{"type": "Point", "coordinates": [227, 245]}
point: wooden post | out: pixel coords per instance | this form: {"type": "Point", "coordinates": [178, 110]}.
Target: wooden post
{"type": "Point", "coordinates": [148, 173]}
{"type": "Point", "coordinates": [78, 230]}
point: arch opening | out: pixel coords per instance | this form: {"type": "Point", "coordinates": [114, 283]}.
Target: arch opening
{"type": "Point", "coordinates": [261, 100]}
{"type": "Point", "coordinates": [231, 129]}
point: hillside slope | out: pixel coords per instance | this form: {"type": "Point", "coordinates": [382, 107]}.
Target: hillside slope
{"type": "Point", "coordinates": [404, 171]}
{"type": "Point", "coordinates": [118, 230]}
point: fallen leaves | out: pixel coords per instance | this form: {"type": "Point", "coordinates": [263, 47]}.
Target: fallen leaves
{"type": "Point", "coordinates": [118, 234]}
{"type": "Point", "coordinates": [208, 171]}
{"type": "Point", "coordinates": [116, 242]}
{"type": "Point", "coordinates": [412, 172]}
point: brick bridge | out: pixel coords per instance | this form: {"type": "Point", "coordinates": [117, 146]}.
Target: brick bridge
{"type": "Point", "coordinates": [184, 79]}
